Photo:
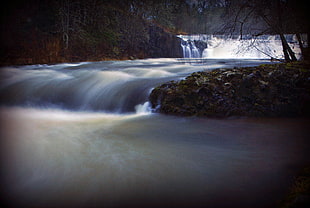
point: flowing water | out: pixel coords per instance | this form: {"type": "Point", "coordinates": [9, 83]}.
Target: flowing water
{"type": "Point", "coordinates": [82, 135]}
{"type": "Point", "coordinates": [248, 46]}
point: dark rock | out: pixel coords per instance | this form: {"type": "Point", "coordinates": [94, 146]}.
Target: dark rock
{"type": "Point", "coordinates": [163, 44]}
{"type": "Point", "coordinates": [299, 196]}
{"type": "Point", "coordinates": [201, 45]}
{"type": "Point", "coordinates": [266, 90]}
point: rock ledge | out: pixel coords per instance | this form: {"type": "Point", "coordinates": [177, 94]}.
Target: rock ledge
{"type": "Point", "coordinates": [270, 90]}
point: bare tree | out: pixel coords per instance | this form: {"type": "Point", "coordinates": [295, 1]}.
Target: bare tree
{"type": "Point", "coordinates": [242, 15]}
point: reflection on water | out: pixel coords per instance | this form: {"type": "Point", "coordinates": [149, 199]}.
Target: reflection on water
{"type": "Point", "coordinates": [62, 158]}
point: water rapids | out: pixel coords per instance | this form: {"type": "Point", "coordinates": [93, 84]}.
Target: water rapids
{"type": "Point", "coordinates": [82, 135]}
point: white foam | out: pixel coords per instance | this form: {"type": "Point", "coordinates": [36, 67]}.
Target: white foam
{"type": "Point", "coordinates": [143, 109]}
{"type": "Point", "coordinates": [225, 47]}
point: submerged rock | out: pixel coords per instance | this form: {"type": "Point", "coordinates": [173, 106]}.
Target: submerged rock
{"type": "Point", "coordinates": [265, 90]}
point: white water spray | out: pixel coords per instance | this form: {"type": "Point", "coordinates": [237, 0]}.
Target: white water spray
{"type": "Point", "coordinates": [143, 109]}
{"type": "Point", "coordinates": [226, 47]}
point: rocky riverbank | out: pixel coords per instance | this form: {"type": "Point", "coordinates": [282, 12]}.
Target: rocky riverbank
{"type": "Point", "coordinates": [264, 91]}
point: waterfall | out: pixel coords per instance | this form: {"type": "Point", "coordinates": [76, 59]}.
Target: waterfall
{"type": "Point", "coordinates": [190, 50]}
{"type": "Point", "coordinates": [112, 87]}
{"type": "Point", "coordinates": [83, 89]}
{"type": "Point", "coordinates": [233, 47]}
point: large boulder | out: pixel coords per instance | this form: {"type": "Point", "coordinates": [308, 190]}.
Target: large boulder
{"type": "Point", "coordinates": [266, 90]}
{"type": "Point", "coordinates": [163, 44]}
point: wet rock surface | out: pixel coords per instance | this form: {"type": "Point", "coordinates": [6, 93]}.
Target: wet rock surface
{"type": "Point", "coordinates": [266, 90]}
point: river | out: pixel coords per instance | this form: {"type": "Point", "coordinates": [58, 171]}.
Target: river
{"type": "Point", "coordinates": [82, 135]}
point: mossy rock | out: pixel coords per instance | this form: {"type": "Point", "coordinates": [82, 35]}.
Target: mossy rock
{"type": "Point", "coordinates": [299, 195]}
{"type": "Point", "coordinates": [265, 90]}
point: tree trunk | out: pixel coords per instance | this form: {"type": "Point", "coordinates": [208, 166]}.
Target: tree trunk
{"type": "Point", "coordinates": [286, 55]}
{"type": "Point", "coordinates": [301, 46]}
{"type": "Point", "coordinates": [279, 27]}
{"type": "Point", "coordinates": [289, 54]}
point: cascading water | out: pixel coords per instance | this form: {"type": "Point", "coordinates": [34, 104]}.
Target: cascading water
{"type": "Point", "coordinates": [82, 135]}
{"type": "Point", "coordinates": [103, 86]}
{"type": "Point", "coordinates": [190, 50]}
{"type": "Point", "coordinates": [249, 47]}
{"type": "Point", "coordinates": [78, 88]}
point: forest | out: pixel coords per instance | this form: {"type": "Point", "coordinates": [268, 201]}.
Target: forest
{"type": "Point", "coordinates": [45, 31]}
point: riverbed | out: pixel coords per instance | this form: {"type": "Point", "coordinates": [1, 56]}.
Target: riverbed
{"type": "Point", "coordinates": [82, 135]}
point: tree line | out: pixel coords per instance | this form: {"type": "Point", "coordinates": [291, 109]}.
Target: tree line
{"type": "Point", "coordinates": [46, 31]}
